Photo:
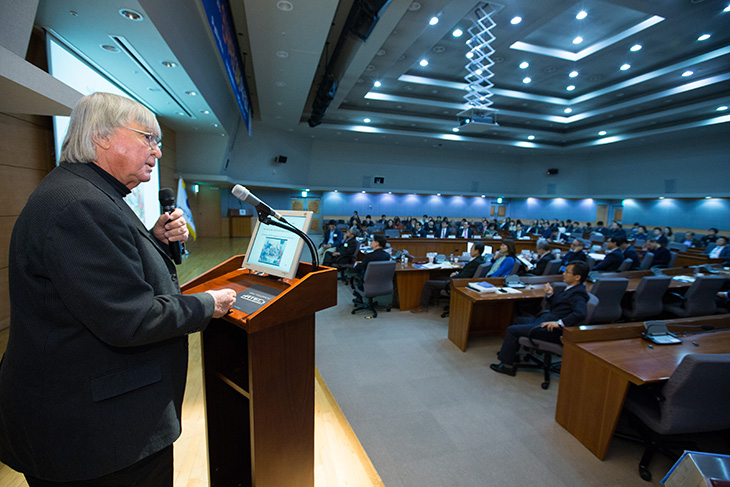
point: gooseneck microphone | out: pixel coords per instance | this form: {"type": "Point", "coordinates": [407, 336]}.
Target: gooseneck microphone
{"type": "Point", "coordinates": [262, 208]}
{"type": "Point", "coordinates": [167, 200]}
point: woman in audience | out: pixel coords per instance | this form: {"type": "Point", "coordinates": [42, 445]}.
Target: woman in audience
{"type": "Point", "coordinates": [504, 261]}
{"type": "Point", "coordinates": [668, 232]}
{"type": "Point", "coordinates": [490, 231]}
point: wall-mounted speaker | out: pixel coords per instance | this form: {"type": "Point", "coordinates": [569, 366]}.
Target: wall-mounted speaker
{"type": "Point", "coordinates": [280, 159]}
{"type": "Point", "coordinates": [552, 172]}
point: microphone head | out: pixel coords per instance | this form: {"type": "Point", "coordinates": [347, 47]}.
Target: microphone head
{"type": "Point", "coordinates": [240, 192]}
{"type": "Point", "coordinates": [167, 197]}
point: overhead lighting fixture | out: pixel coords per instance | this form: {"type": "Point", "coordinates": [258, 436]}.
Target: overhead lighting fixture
{"type": "Point", "coordinates": [726, 9]}
{"type": "Point", "coordinates": [455, 129]}
{"type": "Point", "coordinates": [469, 55]}
{"type": "Point", "coordinates": [423, 62]}
{"type": "Point", "coordinates": [438, 194]}
{"type": "Point", "coordinates": [573, 74]}
{"type": "Point", "coordinates": [284, 6]}
{"type": "Point", "coordinates": [526, 80]}
{"type": "Point", "coordinates": [531, 137]}
{"type": "Point", "coordinates": [721, 108]}
{"type": "Point", "coordinates": [457, 33]}
{"type": "Point", "coordinates": [131, 15]}
{"type": "Point", "coordinates": [568, 110]}
{"type": "Point", "coordinates": [515, 20]}
{"type": "Point", "coordinates": [366, 120]}
{"type": "Point", "coordinates": [687, 73]}
{"type": "Point", "coordinates": [363, 192]}
{"type": "Point", "coordinates": [168, 64]}
{"type": "Point", "coordinates": [577, 40]}
{"type": "Point", "coordinates": [635, 47]}
{"type": "Point", "coordinates": [282, 54]}
{"type": "Point", "coordinates": [191, 93]}
{"type": "Point", "coordinates": [703, 37]}
{"type": "Point", "coordinates": [433, 21]}
{"type": "Point", "coordinates": [110, 48]}
{"type": "Point", "coordinates": [484, 196]}
{"type": "Point", "coordinates": [581, 15]}
{"type": "Point", "coordinates": [661, 197]}
{"type": "Point", "coordinates": [499, 200]}
{"type": "Point", "coordinates": [205, 112]}
{"type": "Point", "coordinates": [708, 197]}
{"type": "Point", "coordinates": [524, 65]}
{"type": "Point", "coordinates": [625, 67]}
{"type": "Point", "coordinates": [570, 87]}
{"type": "Point", "coordinates": [602, 133]}
{"type": "Point", "coordinates": [377, 84]}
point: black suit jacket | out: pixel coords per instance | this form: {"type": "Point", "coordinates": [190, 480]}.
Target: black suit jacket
{"type": "Point", "coordinates": [378, 255]}
{"type": "Point", "coordinates": [470, 268]}
{"type": "Point", "coordinates": [581, 256]}
{"type": "Point", "coordinates": [336, 238]}
{"type": "Point", "coordinates": [611, 263]}
{"type": "Point", "coordinates": [94, 373]}
{"type": "Point", "coordinates": [539, 269]}
{"type": "Point", "coordinates": [630, 253]}
{"type": "Point", "coordinates": [661, 256]}
{"type": "Point", "coordinates": [569, 306]}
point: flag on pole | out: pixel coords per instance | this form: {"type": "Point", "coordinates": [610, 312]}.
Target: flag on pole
{"type": "Point", "coordinates": [182, 203]}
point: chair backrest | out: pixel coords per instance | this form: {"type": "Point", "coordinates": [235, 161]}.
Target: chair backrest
{"type": "Point", "coordinates": [542, 279]}
{"type": "Point", "coordinates": [378, 278]}
{"type": "Point", "coordinates": [647, 300]}
{"type": "Point", "coordinates": [625, 265]}
{"type": "Point", "coordinates": [677, 246]}
{"type": "Point", "coordinates": [672, 259]}
{"type": "Point", "coordinates": [646, 261]}
{"type": "Point", "coordinates": [516, 267]}
{"type": "Point", "coordinates": [590, 262]}
{"type": "Point", "coordinates": [591, 305]}
{"type": "Point", "coordinates": [597, 237]}
{"type": "Point", "coordinates": [609, 292]}
{"type": "Point", "coordinates": [482, 270]}
{"type": "Point", "coordinates": [700, 297]}
{"type": "Point", "coordinates": [552, 267]}
{"type": "Point", "coordinates": [696, 396]}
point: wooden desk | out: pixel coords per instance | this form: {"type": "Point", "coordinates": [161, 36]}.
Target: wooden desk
{"type": "Point", "coordinates": [409, 282]}
{"type": "Point", "coordinates": [595, 375]}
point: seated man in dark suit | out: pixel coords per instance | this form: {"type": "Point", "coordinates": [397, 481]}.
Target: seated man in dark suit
{"type": "Point", "coordinates": [519, 231]}
{"type": "Point", "coordinates": [332, 238]}
{"type": "Point", "coordinates": [576, 252]}
{"type": "Point", "coordinates": [444, 230]}
{"type": "Point", "coordinates": [661, 253]}
{"type": "Point", "coordinates": [690, 241]}
{"type": "Point", "coordinates": [556, 236]}
{"type": "Point", "coordinates": [544, 255]}
{"type": "Point", "coordinates": [567, 308]}
{"type": "Point", "coordinates": [614, 257]}
{"type": "Point", "coordinates": [465, 231]}
{"type": "Point", "coordinates": [711, 237]}
{"type": "Point", "coordinates": [419, 231]}
{"type": "Point", "coordinates": [721, 250]}
{"type": "Point", "coordinates": [345, 250]}
{"type": "Point", "coordinates": [630, 253]}
{"type": "Point", "coordinates": [378, 254]}
{"type": "Point", "coordinates": [432, 287]}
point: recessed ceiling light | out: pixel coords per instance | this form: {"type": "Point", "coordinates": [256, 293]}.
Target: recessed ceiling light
{"type": "Point", "coordinates": [191, 93]}
{"type": "Point", "coordinates": [110, 48]}
{"type": "Point", "coordinates": [726, 9]}
{"type": "Point", "coordinates": [366, 120]}
{"type": "Point", "coordinates": [280, 83]}
{"type": "Point", "coordinates": [687, 73]}
{"type": "Point", "coordinates": [573, 74]}
{"type": "Point", "coordinates": [568, 110]}
{"type": "Point", "coordinates": [708, 197]}
{"type": "Point", "coordinates": [625, 67]}
{"type": "Point", "coordinates": [524, 65]}
{"type": "Point", "coordinates": [433, 21]}
{"type": "Point", "coordinates": [602, 133]}
{"type": "Point", "coordinates": [423, 62]}
{"type": "Point", "coordinates": [179, 113]}
{"type": "Point", "coordinates": [484, 196]}
{"type": "Point", "coordinates": [721, 108]}
{"type": "Point", "coordinates": [282, 54]}
{"type": "Point", "coordinates": [131, 15]}
{"type": "Point", "coordinates": [581, 15]}
{"type": "Point", "coordinates": [570, 87]}
{"type": "Point", "coordinates": [457, 33]}
{"type": "Point", "coordinates": [377, 84]}
{"type": "Point", "coordinates": [526, 80]}
{"type": "Point", "coordinates": [205, 112]}
{"type": "Point", "coordinates": [635, 47]}
{"type": "Point", "coordinates": [455, 129]}
{"type": "Point", "coordinates": [515, 20]}
{"type": "Point", "coordinates": [438, 194]}
{"type": "Point", "coordinates": [531, 137]}
{"type": "Point", "coordinates": [284, 6]}
{"type": "Point", "coordinates": [703, 37]}
{"type": "Point", "coordinates": [168, 64]}
{"type": "Point", "coordinates": [363, 192]}
{"type": "Point", "coordinates": [577, 40]}
{"type": "Point", "coordinates": [214, 125]}
{"type": "Point", "coordinates": [661, 197]}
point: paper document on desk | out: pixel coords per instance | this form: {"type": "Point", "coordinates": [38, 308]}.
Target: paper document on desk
{"type": "Point", "coordinates": [598, 256]}
{"type": "Point", "coordinates": [509, 290]}
{"type": "Point", "coordinates": [684, 278]}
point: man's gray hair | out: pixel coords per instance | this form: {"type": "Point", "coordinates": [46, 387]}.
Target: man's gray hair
{"type": "Point", "coordinates": [96, 117]}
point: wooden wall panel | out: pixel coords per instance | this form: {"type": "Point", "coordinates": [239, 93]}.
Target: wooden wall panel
{"type": "Point", "coordinates": [27, 142]}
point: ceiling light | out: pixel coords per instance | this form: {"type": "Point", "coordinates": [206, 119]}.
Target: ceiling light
{"type": "Point", "coordinates": [568, 110]}
{"type": "Point", "coordinates": [284, 6]}
{"type": "Point", "coordinates": [661, 197]}
{"type": "Point", "coordinates": [577, 40]}
{"type": "Point", "coordinates": [499, 200]}
{"type": "Point", "coordinates": [214, 125]}
{"type": "Point", "coordinates": [363, 192]}
{"type": "Point", "coordinates": [282, 54]}
{"type": "Point", "coordinates": [524, 65]}
{"type": "Point", "coordinates": [726, 9]}
{"type": "Point", "coordinates": [377, 84]}
{"type": "Point", "coordinates": [110, 48]}
{"type": "Point", "coordinates": [703, 37]}
{"type": "Point", "coordinates": [602, 133]}
{"type": "Point", "coordinates": [168, 64]}
{"type": "Point", "coordinates": [721, 108]}
{"type": "Point", "coordinates": [438, 194]}
{"type": "Point", "coordinates": [573, 74]}
{"type": "Point", "coordinates": [515, 20]}
{"type": "Point", "coordinates": [570, 87]}
{"type": "Point", "coordinates": [366, 120]}
{"type": "Point", "coordinates": [191, 93]}
{"type": "Point", "coordinates": [687, 73]}
{"type": "Point", "coordinates": [455, 129]}
{"type": "Point", "coordinates": [433, 21]}
{"type": "Point", "coordinates": [457, 33]}
{"type": "Point", "coordinates": [531, 137]}
{"type": "Point", "coordinates": [526, 80]}
{"type": "Point", "coordinates": [635, 47]}
{"type": "Point", "coordinates": [625, 67]}
{"type": "Point", "coordinates": [131, 15]}
{"type": "Point", "coordinates": [423, 63]}
{"type": "Point", "coordinates": [581, 15]}
{"type": "Point", "coordinates": [708, 197]}
{"type": "Point", "coordinates": [205, 112]}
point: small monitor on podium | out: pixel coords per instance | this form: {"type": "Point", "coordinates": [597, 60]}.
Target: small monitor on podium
{"type": "Point", "coordinates": [276, 251]}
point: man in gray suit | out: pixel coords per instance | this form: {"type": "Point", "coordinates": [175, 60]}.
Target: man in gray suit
{"type": "Point", "coordinates": [92, 382]}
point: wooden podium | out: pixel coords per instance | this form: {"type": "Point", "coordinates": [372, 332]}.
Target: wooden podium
{"type": "Point", "coordinates": [258, 373]}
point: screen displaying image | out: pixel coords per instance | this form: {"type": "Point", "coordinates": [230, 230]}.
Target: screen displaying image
{"type": "Point", "coordinates": [275, 250]}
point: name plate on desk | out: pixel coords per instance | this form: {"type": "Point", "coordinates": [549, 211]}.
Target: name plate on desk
{"type": "Point", "coordinates": [255, 297]}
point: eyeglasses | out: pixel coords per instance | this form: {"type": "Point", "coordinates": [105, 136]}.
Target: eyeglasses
{"type": "Point", "coordinates": [153, 140]}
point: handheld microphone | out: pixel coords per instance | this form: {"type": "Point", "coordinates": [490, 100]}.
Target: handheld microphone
{"type": "Point", "coordinates": [167, 200]}
{"type": "Point", "coordinates": [244, 194]}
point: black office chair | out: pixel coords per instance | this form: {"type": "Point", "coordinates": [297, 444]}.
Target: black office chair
{"type": "Point", "coordinates": [672, 259]}
{"type": "Point", "coordinates": [553, 267]}
{"type": "Point", "coordinates": [693, 400]}
{"type": "Point", "coordinates": [377, 281]}
{"type": "Point", "coordinates": [646, 261]}
{"type": "Point", "coordinates": [609, 292]}
{"type": "Point", "coordinates": [646, 301]}
{"type": "Point", "coordinates": [626, 265]}
{"type": "Point", "coordinates": [677, 246]}
{"type": "Point", "coordinates": [590, 262]}
{"type": "Point", "coordinates": [534, 347]}
{"type": "Point", "coordinates": [699, 299]}
{"type": "Point", "coordinates": [345, 262]}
